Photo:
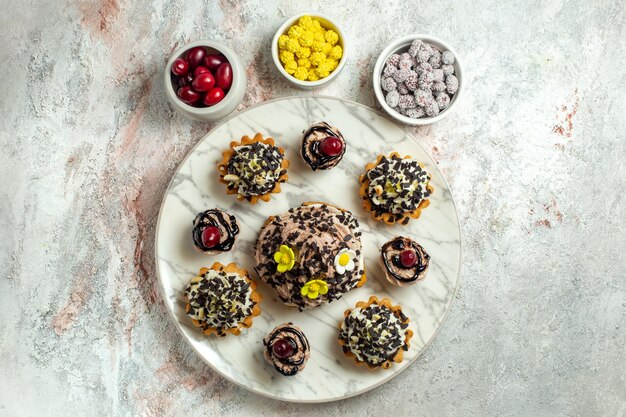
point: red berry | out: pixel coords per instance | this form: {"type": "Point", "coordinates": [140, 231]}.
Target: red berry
{"type": "Point", "coordinates": [214, 96]}
{"type": "Point", "coordinates": [203, 82]}
{"type": "Point", "coordinates": [186, 79]}
{"type": "Point", "coordinates": [408, 258]}
{"type": "Point", "coordinates": [180, 67]}
{"type": "Point", "coordinates": [224, 75]}
{"type": "Point", "coordinates": [331, 146]}
{"type": "Point", "coordinates": [200, 70]}
{"type": "Point", "coordinates": [213, 61]}
{"type": "Point", "coordinates": [188, 95]}
{"type": "Point", "coordinates": [283, 348]}
{"type": "Point", "coordinates": [210, 236]}
{"type": "Point", "coordinates": [195, 56]}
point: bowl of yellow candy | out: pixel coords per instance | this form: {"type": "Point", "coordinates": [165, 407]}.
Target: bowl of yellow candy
{"type": "Point", "coordinates": [309, 50]}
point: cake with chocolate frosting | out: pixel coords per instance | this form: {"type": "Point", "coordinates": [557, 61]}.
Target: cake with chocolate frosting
{"type": "Point", "coordinates": [214, 231]}
{"type": "Point", "coordinates": [287, 349]}
{"type": "Point", "coordinates": [405, 262]}
{"type": "Point", "coordinates": [311, 255]}
{"type": "Point", "coordinates": [322, 147]}
{"type": "Point", "coordinates": [253, 168]}
{"type": "Point", "coordinates": [375, 333]}
{"type": "Point", "coordinates": [222, 299]}
{"type": "Point", "coordinates": [395, 189]}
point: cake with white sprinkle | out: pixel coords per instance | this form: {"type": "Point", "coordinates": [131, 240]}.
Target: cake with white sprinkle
{"type": "Point", "coordinates": [375, 333]}
{"type": "Point", "coordinates": [395, 189]}
{"type": "Point", "coordinates": [253, 169]}
{"type": "Point", "coordinates": [222, 299]}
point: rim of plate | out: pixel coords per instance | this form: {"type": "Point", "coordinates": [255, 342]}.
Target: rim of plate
{"type": "Point", "coordinates": [178, 325]}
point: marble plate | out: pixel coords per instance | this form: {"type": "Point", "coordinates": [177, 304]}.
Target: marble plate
{"type": "Point", "coordinates": [328, 375]}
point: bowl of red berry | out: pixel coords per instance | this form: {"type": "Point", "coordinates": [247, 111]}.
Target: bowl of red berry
{"type": "Point", "coordinates": [205, 80]}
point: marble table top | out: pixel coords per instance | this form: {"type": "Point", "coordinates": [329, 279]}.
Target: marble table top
{"type": "Point", "coordinates": [534, 155]}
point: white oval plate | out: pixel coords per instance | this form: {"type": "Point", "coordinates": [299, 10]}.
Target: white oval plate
{"type": "Point", "coordinates": [328, 375]}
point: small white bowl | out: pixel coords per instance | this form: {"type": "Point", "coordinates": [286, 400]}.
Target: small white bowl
{"type": "Point", "coordinates": [233, 96]}
{"type": "Point", "coordinates": [402, 45]}
{"type": "Point", "coordinates": [327, 23]}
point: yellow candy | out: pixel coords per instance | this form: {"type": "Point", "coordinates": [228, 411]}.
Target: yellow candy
{"type": "Point", "coordinates": [318, 37]}
{"type": "Point", "coordinates": [308, 51]}
{"type": "Point", "coordinates": [304, 62]}
{"type": "Point", "coordinates": [331, 64]}
{"type": "Point", "coordinates": [295, 31]}
{"type": "Point", "coordinates": [286, 56]}
{"type": "Point", "coordinates": [282, 41]}
{"type": "Point", "coordinates": [317, 58]}
{"type": "Point", "coordinates": [305, 21]}
{"type": "Point", "coordinates": [291, 67]}
{"type": "Point", "coordinates": [321, 72]}
{"type": "Point", "coordinates": [336, 52]}
{"type": "Point", "coordinates": [293, 45]}
{"type": "Point", "coordinates": [317, 46]}
{"type": "Point", "coordinates": [331, 37]}
{"type": "Point", "coordinates": [301, 73]}
{"type": "Point", "coordinates": [306, 39]}
{"type": "Point", "coordinates": [303, 52]}
{"type": "Point", "coordinates": [326, 65]}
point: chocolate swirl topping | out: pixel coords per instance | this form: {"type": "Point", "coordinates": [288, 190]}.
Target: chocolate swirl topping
{"type": "Point", "coordinates": [301, 349]}
{"type": "Point", "coordinates": [226, 223]}
{"type": "Point", "coordinates": [310, 148]}
{"type": "Point", "coordinates": [391, 259]}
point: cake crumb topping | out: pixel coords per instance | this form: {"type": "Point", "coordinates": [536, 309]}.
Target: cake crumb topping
{"type": "Point", "coordinates": [397, 185]}
{"type": "Point", "coordinates": [374, 334]}
{"type": "Point", "coordinates": [254, 169]}
{"type": "Point", "coordinates": [219, 299]}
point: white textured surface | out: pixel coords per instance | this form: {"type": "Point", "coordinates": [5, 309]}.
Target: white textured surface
{"type": "Point", "coordinates": [534, 155]}
{"type": "Point", "coordinates": [329, 375]}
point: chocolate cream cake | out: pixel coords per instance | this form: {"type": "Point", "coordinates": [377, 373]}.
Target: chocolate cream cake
{"type": "Point", "coordinates": [311, 255]}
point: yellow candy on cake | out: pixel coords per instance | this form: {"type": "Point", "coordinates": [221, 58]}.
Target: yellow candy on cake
{"type": "Point", "coordinates": [303, 52]}
{"type": "Point", "coordinates": [335, 52]}
{"type": "Point", "coordinates": [331, 37]}
{"type": "Point", "coordinates": [301, 73]}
